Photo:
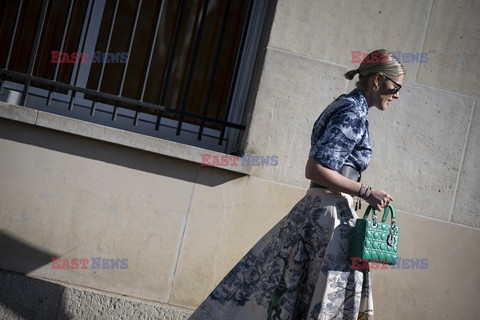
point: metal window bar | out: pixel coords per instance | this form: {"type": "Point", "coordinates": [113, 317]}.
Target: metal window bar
{"type": "Point", "coordinates": [12, 41]}
{"type": "Point", "coordinates": [124, 73]}
{"type": "Point", "coordinates": [117, 99]}
{"type": "Point", "coordinates": [214, 69]}
{"type": "Point", "coordinates": [62, 45]}
{"type": "Point", "coordinates": [170, 63]}
{"type": "Point", "coordinates": [192, 64]}
{"type": "Point", "coordinates": [33, 54]}
{"type": "Point", "coordinates": [89, 12]}
{"type": "Point", "coordinates": [28, 77]}
{"type": "Point", "coordinates": [150, 56]}
{"type": "Point", "coordinates": [107, 48]}
{"type": "Point", "coordinates": [130, 43]}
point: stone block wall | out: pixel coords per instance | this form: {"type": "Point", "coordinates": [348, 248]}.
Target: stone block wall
{"type": "Point", "coordinates": [67, 193]}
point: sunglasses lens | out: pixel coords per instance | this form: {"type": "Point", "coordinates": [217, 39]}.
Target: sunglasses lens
{"type": "Point", "coordinates": [397, 86]}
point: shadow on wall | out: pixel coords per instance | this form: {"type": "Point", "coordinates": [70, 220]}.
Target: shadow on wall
{"type": "Point", "coordinates": [30, 299]}
{"type": "Point", "coordinates": [110, 153]}
{"type": "Point", "coordinates": [20, 256]}
{"type": "Point", "coordinates": [24, 297]}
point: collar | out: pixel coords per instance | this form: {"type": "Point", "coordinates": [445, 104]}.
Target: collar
{"type": "Point", "coordinates": [361, 100]}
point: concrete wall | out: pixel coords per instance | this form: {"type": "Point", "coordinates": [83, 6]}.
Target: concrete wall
{"type": "Point", "coordinates": [183, 226]}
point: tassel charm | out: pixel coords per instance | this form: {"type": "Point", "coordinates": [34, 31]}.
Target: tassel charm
{"type": "Point", "coordinates": [358, 204]}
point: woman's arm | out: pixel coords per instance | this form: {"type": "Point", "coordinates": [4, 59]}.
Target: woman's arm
{"type": "Point", "coordinates": [336, 182]}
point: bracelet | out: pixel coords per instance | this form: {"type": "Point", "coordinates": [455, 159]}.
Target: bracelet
{"type": "Point", "coordinates": [368, 192]}
{"type": "Point", "coordinates": [365, 191]}
{"type": "Point", "coordinates": [362, 190]}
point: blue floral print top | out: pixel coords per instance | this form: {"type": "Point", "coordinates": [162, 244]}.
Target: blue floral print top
{"type": "Point", "coordinates": [340, 135]}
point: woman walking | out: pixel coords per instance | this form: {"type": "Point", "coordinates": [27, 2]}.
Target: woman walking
{"type": "Point", "coordinates": [300, 269]}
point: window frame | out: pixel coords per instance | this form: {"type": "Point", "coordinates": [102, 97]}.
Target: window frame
{"type": "Point", "coordinates": [236, 107]}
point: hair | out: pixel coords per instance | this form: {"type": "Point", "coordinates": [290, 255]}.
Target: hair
{"type": "Point", "coordinates": [378, 61]}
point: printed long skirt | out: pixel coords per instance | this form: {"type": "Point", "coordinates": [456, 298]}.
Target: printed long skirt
{"type": "Point", "coordinates": [298, 270]}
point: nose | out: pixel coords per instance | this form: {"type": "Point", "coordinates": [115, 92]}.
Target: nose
{"type": "Point", "coordinates": [396, 95]}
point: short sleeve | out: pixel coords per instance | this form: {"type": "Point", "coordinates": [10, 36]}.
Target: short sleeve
{"type": "Point", "coordinates": [341, 134]}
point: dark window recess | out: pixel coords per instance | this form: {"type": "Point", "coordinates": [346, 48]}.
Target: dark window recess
{"type": "Point", "coordinates": [171, 67]}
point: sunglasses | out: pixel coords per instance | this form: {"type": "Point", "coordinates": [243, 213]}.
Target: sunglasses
{"type": "Point", "coordinates": [397, 86]}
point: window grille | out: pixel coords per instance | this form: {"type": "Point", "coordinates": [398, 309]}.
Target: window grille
{"type": "Point", "coordinates": [178, 70]}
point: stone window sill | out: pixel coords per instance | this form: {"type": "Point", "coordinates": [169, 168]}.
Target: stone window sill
{"type": "Point", "coordinates": [111, 135]}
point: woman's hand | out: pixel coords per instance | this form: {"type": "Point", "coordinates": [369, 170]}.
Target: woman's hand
{"type": "Point", "coordinates": [338, 183]}
{"type": "Point", "coordinates": [379, 199]}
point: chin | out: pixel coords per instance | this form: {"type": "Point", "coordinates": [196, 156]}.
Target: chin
{"type": "Point", "coordinates": [381, 107]}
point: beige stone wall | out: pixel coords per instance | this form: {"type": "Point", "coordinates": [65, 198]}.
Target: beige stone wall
{"type": "Point", "coordinates": [183, 226]}
{"type": "Point", "coordinates": [425, 145]}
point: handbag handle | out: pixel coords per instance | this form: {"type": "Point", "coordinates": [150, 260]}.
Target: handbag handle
{"type": "Point", "coordinates": [391, 239]}
{"type": "Point", "coordinates": [385, 213]}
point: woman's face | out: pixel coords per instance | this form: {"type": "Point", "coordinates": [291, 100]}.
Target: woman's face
{"type": "Point", "coordinates": [388, 90]}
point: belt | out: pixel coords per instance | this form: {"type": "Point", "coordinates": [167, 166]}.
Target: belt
{"type": "Point", "coordinates": [347, 172]}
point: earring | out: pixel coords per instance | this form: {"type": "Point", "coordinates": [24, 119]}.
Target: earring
{"type": "Point", "coordinates": [375, 88]}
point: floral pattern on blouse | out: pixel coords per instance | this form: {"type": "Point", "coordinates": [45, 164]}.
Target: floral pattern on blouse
{"type": "Point", "coordinates": [340, 135]}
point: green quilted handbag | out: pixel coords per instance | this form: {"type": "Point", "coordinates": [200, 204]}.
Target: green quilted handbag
{"type": "Point", "coordinates": [375, 241]}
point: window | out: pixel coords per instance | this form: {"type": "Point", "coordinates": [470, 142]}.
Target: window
{"type": "Point", "coordinates": [178, 70]}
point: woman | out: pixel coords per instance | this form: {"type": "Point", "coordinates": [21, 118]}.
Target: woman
{"type": "Point", "coordinates": [300, 268]}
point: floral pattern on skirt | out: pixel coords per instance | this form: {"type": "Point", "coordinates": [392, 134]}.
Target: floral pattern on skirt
{"type": "Point", "coordinates": [298, 270]}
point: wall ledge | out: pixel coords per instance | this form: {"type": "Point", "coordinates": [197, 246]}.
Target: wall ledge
{"type": "Point", "coordinates": [111, 135]}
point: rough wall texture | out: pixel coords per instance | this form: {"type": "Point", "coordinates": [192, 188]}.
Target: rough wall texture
{"type": "Point", "coordinates": [182, 226]}
{"type": "Point", "coordinates": [26, 298]}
